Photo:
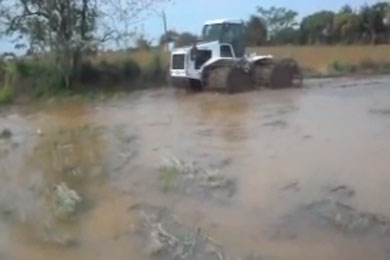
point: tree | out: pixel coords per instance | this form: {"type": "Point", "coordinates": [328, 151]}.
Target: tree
{"type": "Point", "coordinates": [142, 43]}
{"type": "Point", "coordinates": [277, 19]}
{"type": "Point", "coordinates": [256, 31]}
{"type": "Point", "coordinates": [317, 28]}
{"type": "Point", "coordinates": [185, 39]}
{"type": "Point", "coordinates": [67, 29]}
{"type": "Point", "coordinates": [346, 26]}
{"type": "Point", "coordinates": [120, 18]}
{"type": "Point", "coordinates": [373, 20]}
{"type": "Point", "coordinates": [287, 36]}
{"type": "Point", "coordinates": [168, 37]}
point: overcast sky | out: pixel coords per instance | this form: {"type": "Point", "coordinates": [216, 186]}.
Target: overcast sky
{"type": "Point", "coordinates": [189, 15]}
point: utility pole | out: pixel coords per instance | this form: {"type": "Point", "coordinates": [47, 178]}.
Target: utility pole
{"type": "Point", "coordinates": [163, 16]}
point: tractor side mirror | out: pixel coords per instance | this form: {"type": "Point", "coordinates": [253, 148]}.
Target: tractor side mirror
{"type": "Point", "coordinates": [193, 52]}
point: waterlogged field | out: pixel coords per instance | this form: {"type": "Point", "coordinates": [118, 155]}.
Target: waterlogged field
{"type": "Point", "coordinates": [289, 174]}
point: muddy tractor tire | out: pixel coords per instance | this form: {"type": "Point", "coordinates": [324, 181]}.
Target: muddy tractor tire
{"type": "Point", "coordinates": [283, 73]}
{"type": "Point", "coordinates": [227, 79]}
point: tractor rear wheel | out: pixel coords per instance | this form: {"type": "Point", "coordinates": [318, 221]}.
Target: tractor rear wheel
{"type": "Point", "coordinates": [228, 79]}
{"type": "Point", "coordinates": [284, 73]}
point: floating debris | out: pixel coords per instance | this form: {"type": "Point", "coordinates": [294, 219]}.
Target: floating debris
{"type": "Point", "coordinates": [349, 219]}
{"type": "Point", "coordinates": [165, 236]}
{"type": "Point", "coordinates": [293, 185]}
{"type": "Point", "coordinates": [275, 123]}
{"type": "Point", "coordinates": [342, 190]}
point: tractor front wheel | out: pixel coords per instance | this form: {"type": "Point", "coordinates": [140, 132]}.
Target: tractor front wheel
{"type": "Point", "coordinates": [284, 73]}
{"type": "Point", "coordinates": [228, 79]}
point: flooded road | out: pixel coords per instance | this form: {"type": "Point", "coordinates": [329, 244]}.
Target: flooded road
{"type": "Point", "coordinates": [289, 174]}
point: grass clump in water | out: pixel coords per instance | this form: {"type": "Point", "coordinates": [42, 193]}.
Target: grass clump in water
{"type": "Point", "coordinates": [338, 66]}
{"type": "Point", "coordinates": [168, 177]}
{"type": "Point", "coordinates": [65, 201]}
{"type": "Point", "coordinates": [175, 173]}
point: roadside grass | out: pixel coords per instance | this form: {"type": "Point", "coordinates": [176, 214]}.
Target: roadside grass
{"type": "Point", "coordinates": [125, 71]}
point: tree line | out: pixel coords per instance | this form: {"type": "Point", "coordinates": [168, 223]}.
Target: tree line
{"type": "Point", "coordinates": [368, 24]}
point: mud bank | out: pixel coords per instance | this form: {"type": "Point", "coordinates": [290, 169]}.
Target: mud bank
{"type": "Point", "coordinates": [287, 174]}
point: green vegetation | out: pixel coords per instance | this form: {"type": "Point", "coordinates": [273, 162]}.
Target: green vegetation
{"type": "Point", "coordinates": [168, 177]}
{"type": "Point", "coordinates": [62, 40]}
{"type": "Point", "coordinates": [6, 94]}
{"type": "Point", "coordinates": [365, 66]}
{"type": "Point", "coordinates": [41, 78]}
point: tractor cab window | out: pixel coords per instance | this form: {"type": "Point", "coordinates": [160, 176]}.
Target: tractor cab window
{"type": "Point", "coordinates": [211, 32]}
{"type": "Point", "coordinates": [224, 32]}
{"type": "Point", "coordinates": [232, 32]}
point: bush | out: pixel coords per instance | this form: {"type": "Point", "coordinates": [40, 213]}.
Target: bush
{"type": "Point", "coordinates": [87, 73]}
{"type": "Point", "coordinates": [8, 76]}
{"type": "Point", "coordinates": [342, 67]}
{"type": "Point", "coordinates": [369, 64]}
{"type": "Point", "coordinates": [130, 70]}
{"type": "Point", "coordinates": [106, 75]}
{"type": "Point", "coordinates": [23, 68]}
{"type": "Point", "coordinates": [386, 66]}
{"type": "Point", "coordinates": [43, 77]}
{"type": "Point", "coordinates": [46, 78]}
{"type": "Point", "coordinates": [6, 94]}
{"type": "Point", "coordinates": [154, 70]}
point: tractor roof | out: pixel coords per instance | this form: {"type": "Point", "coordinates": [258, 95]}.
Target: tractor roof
{"type": "Point", "coordinates": [224, 20]}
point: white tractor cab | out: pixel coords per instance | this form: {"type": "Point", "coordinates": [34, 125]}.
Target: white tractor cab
{"type": "Point", "coordinates": [218, 61]}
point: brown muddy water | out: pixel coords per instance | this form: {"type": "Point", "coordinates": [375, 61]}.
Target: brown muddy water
{"type": "Point", "coordinates": [306, 175]}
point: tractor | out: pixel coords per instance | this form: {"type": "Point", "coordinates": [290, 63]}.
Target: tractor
{"type": "Point", "coordinates": [218, 62]}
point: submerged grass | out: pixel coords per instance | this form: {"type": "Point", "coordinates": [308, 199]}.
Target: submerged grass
{"type": "Point", "coordinates": [166, 237]}
{"type": "Point", "coordinates": [182, 175]}
{"type": "Point", "coordinates": [168, 178]}
{"type": "Point", "coordinates": [65, 201]}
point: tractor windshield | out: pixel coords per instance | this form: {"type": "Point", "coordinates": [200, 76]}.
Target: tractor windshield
{"type": "Point", "coordinates": [211, 32]}
{"type": "Point", "coordinates": [223, 32]}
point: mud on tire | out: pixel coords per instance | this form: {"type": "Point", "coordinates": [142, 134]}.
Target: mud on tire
{"type": "Point", "coordinates": [228, 79]}
{"type": "Point", "coordinates": [283, 73]}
